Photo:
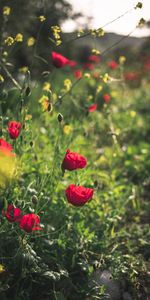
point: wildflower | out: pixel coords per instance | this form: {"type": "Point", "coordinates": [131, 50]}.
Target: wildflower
{"type": "Point", "coordinates": [30, 222]}
{"type": "Point", "coordinates": [19, 38]}
{"type": "Point", "coordinates": [31, 41]}
{"type": "Point", "coordinates": [13, 214]}
{"type": "Point", "coordinates": [67, 84]}
{"type": "Point", "coordinates": [46, 86]}
{"type": "Point", "coordinates": [94, 58]}
{"type": "Point", "coordinates": [42, 18]}
{"type": "Point", "coordinates": [24, 69]}
{"type": "Point", "coordinates": [56, 33]}
{"type": "Point", "coordinates": [95, 51]}
{"type": "Point", "coordinates": [106, 78]}
{"type": "Point", "coordinates": [132, 113]}
{"type": "Point", "coordinates": [6, 10]}
{"type": "Point", "coordinates": [73, 161]}
{"type": "Point", "coordinates": [112, 64]}
{"type": "Point", "coordinates": [2, 268]}
{"type": "Point", "coordinates": [5, 148]}
{"type": "Point", "coordinates": [78, 195]}
{"type": "Point", "coordinates": [1, 78]}
{"type": "Point", "coordinates": [67, 129]}
{"type": "Point", "coordinates": [14, 129]}
{"type": "Point", "coordinates": [9, 41]}
{"type": "Point", "coordinates": [99, 89]}
{"type": "Point", "coordinates": [87, 75]}
{"type": "Point", "coordinates": [45, 103]}
{"type": "Point", "coordinates": [122, 60]}
{"type": "Point", "coordinates": [77, 74]}
{"type": "Point", "coordinates": [93, 107]}
{"type": "Point", "coordinates": [106, 98]}
{"type": "Point", "coordinates": [59, 60]}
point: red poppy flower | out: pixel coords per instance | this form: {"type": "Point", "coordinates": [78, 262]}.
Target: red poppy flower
{"type": "Point", "coordinates": [6, 148]}
{"type": "Point", "coordinates": [88, 66]}
{"type": "Point", "coordinates": [106, 98]}
{"type": "Point", "coordinates": [94, 58]}
{"type": "Point", "coordinates": [14, 129]}
{"type": "Point", "coordinates": [73, 161]}
{"type": "Point", "coordinates": [93, 107]}
{"type": "Point", "coordinates": [72, 63]}
{"type": "Point", "coordinates": [13, 214]}
{"type": "Point", "coordinates": [30, 222]}
{"type": "Point", "coordinates": [112, 64]}
{"type": "Point", "coordinates": [77, 74]}
{"type": "Point", "coordinates": [59, 60]}
{"type": "Point", "coordinates": [78, 195]}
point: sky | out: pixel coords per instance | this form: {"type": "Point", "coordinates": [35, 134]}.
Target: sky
{"type": "Point", "coordinates": [104, 11]}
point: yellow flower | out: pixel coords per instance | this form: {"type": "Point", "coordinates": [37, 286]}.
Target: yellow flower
{"type": "Point", "coordinates": [46, 86]}
{"type": "Point", "coordinates": [56, 33]}
{"type": "Point", "coordinates": [95, 51]}
{"type": "Point", "coordinates": [99, 89]}
{"type": "Point", "coordinates": [132, 113]}
{"type": "Point", "coordinates": [28, 117]}
{"type": "Point", "coordinates": [23, 69]}
{"type": "Point", "coordinates": [1, 78]}
{"type": "Point", "coordinates": [9, 41]}
{"type": "Point", "coordinates": [45, 103]}
{"type": "Point", "coordinates": [67, 129]}
{"type": "Point", "coordinates": [106, 78]}
{"type": "Point", "coordinates": [19, 38]}
{"type": "Point", "coordinates": [67, 84]}
{"type": "Point", "coordinates": [42, 18]}
{"type": "Point", "coordinates": [6, 10]}
{"type": "Point", "coordinates": [87, 75]}
{"type": "Point", "coordinates": [31, 41]}
{"type": "Point", "coordinates": [2, 268]}
{"type": "Point", "coordinates": [122, 60]}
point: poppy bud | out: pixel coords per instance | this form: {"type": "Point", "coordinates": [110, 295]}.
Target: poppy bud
{"type": "Point", "coordinates": [60, 117]}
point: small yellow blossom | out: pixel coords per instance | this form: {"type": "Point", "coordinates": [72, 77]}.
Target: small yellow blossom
{"type": "Point", "coordinates": [9, 41]}
{"type": "Point", "coordinates": [132, 113]}
{"type": "Point", "coordinates": [28, 117]}
{"type": "Point", "coordinates": [31, 41]}
{"type": "Point", "coordinates": [97, 32]}
{"type": "Point", "coordinates": [89, 98]}
{"type": "Point", "coordinates": [1, 78]}
{"type": "Point", "coordinates": [19, 38]}
{"type": "Point", "coordinates": [56, 34]}
{"type": "Point", "coordinates": [42, 18]}
{"type": "Point", "coordinates": [6, 10]}
{"type": "Point", "coordinates": [67, 84]}
{"type": "Point", "coordinates": [2, 268]}
{"type": "Point", "coordinates": [67, 129]}
{"type": "Point", "coordinates": [99, 89]}
{"type": "Point", "coordinates": [87, 75]}
{"type": "Point", "coordinates": [106, 78]}
{"type": "Point", "coordinates": [23, 69]}
{"type": "Point", "coordinates": [95, 51]}
{"type": "Point", "coordinates": [46, 86]}
{"type": "Point", "coordinates": [122, 60]}
{"type": "Point", "coordinates": [45, 103]}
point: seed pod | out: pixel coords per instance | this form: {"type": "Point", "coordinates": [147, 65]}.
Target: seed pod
{"type": "Point", "coordinates": [60, 117]}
